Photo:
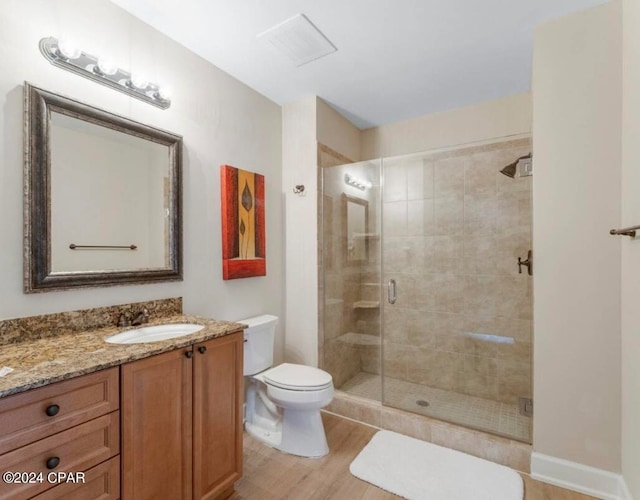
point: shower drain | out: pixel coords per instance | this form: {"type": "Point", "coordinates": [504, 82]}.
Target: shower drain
{"type": "Point", "coordinates": [422, 402]}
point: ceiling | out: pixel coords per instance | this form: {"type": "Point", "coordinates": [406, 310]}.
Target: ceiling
{"type": "Point", "coordinates": [396, 59]}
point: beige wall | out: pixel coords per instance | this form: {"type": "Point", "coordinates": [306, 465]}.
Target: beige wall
{"type": "Point", "coordinates": [221, 120]}
{"type": "Point", "coordinates": [631, 249]}
{"type": "Point", "coordinates": [576, 200]}
{"type": "Point", "coordinates": [479, 122]}
{"type": "Point", "coordinates": [335, 131]}
{"type": "Point", "coordinates": [299, 166]}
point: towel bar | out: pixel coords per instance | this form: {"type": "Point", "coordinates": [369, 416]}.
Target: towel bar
{"type": "Point", "coordinates": [73, 246]}
{"type": "Point", "coordinates": [627, 231]}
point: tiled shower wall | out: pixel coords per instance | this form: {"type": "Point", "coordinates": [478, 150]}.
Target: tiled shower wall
{"type": "Point", "coordinates": [453, 229]}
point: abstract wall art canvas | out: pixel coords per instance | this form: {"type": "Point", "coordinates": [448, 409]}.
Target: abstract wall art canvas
{"type": "Point", "coordinates": [243, 222]}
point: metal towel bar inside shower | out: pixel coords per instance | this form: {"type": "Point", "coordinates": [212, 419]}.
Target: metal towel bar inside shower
{"type": "Point", "coordinates": [627, 231]}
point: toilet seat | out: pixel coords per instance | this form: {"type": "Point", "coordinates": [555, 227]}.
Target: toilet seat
{"type": "Point", "coordinates": [294, 377]}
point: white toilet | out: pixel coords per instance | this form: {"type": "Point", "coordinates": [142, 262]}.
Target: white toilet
{"type": "Point", "coordinates": [283, 403]}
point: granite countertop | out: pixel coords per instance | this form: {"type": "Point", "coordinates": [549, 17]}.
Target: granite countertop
{"type": "Point", "coordinates": [41, 362]}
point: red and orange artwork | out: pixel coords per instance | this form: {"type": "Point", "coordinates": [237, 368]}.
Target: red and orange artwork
{"type": "Point", "coordinates": [243, 235]}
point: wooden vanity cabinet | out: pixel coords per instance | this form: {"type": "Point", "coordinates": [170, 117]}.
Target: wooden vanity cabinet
{"type": "Point", "coordinates": [66, 427]}
{"type": "Point", "coordinates": [182, 422]}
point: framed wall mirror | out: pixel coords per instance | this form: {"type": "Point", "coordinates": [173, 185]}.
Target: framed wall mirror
{"type": "Point", "coordinates": [355, 233]}
{"type": "Point", "coordinates": [102, 197]}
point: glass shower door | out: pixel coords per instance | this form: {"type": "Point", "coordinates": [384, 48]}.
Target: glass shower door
{"type": "Point", "coordinates": [457, 341]}
{"type": "Point", "coordinates": [350, 298]}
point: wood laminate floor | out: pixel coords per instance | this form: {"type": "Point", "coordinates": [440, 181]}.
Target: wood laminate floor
{"type": "Point", "coordinates": [272, 475]}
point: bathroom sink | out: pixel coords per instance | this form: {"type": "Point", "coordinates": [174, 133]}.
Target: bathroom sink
{"type": "Point", "coordinates": [154, 333]}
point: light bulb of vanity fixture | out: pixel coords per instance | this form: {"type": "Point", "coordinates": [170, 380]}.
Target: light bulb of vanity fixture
{"type": "Point", "coordinates": [67, 50]}
{"type": "Point", "coordinates": [163, 93]}
{"type": "Point", "coordinates": [106, 66]}
{"type": "Point", "coordinates": [139, 81]}
{"type": "Point", "coordinates": [357, 183]}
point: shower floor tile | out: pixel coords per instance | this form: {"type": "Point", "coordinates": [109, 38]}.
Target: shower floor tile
{"type": "Point", "coordinates": [483, 414]}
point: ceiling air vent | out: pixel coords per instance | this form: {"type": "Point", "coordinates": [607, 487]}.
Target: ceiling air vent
{"type": "Point", "coordinates": [298, 39]}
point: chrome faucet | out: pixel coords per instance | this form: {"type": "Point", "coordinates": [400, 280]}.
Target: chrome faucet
{"type": "Point", "coordinates": [123, 320]}
{"type": "Point", "coordinates": [140, 318]}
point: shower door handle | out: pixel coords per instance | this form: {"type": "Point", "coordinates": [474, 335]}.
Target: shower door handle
{"type": "Point", "coordinates": [391, 292]}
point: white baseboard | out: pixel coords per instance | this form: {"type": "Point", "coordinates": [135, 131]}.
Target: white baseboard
{"type": "Point", "coordinates": [578, 477]}
{"type": "Point", "coordinates": [624, 494]}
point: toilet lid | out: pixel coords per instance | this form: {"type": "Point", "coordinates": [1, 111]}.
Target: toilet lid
{"type": "Point", "coordinates": [297, 377]}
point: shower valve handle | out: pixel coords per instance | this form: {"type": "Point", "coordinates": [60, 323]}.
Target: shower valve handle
{"type": "Point", "coordinates": [528, 263]}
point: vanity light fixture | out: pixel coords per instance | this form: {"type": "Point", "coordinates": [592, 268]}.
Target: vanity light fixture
{"type": "Point", "coordinates": [64, 54]}
{"type": "Point", "coordinates": [356, 183]}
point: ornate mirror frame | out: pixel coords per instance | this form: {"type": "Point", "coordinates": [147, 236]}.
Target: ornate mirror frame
{"type": "Point", "coordinates": [38, 275]}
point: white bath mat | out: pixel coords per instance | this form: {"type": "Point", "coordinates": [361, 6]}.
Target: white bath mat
{"type": "Point", "coordinates": [419, 470]}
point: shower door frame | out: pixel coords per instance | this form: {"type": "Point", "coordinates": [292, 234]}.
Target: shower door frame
{"type": "Point", "coordinates": [384, 333]}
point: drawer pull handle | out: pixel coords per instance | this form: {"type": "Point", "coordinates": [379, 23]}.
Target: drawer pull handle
{"type": "Point", "coordinates": [189, 354]}
{"type": "Point", "coordinates": [202, 349]}
{"type": "Point", "coordinates": [53, 462]}
{"type": "Point", "coordinates": [52, 410]}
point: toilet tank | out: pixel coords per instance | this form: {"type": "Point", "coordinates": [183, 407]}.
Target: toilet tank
{"type": "Point", "coordinates": [259, 339]}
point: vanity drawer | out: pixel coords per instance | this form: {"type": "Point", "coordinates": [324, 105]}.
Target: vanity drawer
{"type": "Point", "coordinates": [77, 450]}
{"type": "Point", "coordinates": [25, 417]}
{"type": "Point", "coordinates": [101, 482]}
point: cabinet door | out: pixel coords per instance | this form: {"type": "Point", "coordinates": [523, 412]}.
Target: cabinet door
{"type": "Point", "coordinates": [217, 416]}
{"type": "Point", "coordinates": [101, 482]}
{"type": "Point", "coordinates": [156, 448]}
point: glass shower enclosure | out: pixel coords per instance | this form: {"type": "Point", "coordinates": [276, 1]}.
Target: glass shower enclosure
{"type": "Point", "coordinates": [423, 305]}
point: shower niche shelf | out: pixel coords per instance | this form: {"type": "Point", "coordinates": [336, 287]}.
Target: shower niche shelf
{"type": "Point", "coordinates": [366, 236]}
{"type": "Point", "coordinates": [333, 302]}
{"type": "Point", "coordinates": [366, 304]}
{"type": "Point", "coordinates": [361, 339]}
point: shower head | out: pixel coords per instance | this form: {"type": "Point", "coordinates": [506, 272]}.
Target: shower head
{"type": "Point", "coordinates": [510, 170]}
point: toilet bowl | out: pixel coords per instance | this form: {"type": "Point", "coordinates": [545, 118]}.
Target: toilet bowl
{"type": "Point", "coordinates": [283, 402]}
